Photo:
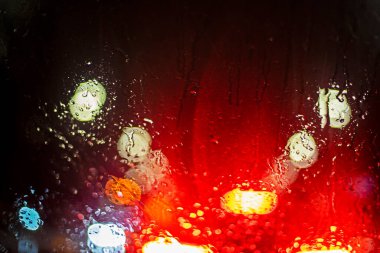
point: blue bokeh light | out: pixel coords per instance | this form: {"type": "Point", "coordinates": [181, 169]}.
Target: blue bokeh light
{"type": "Point", "coordinates": [29, 218]}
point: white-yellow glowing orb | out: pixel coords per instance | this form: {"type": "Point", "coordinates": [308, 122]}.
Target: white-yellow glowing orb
{"type": "Point", "coordinates": [303, 150]}
{"type": "Point", "coordinates": [249, 202]}
{"type": "Point", "coordinates": [95, 88]}
{"type": "Point", "coordinates": [333, 105]}
{"type": "Point", "coordinates": [87, 101]}
{"type": "Point", "coordinates": [171, 245]}
{"type": "Point", "coordinates": [105, 238]}
{"type": "Point", "coordinates": [134, 144]}
{"type": "Point", "coordinates": [84, 107]}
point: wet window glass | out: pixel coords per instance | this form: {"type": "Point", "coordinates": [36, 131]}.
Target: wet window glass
{"type": "Point", "coordinates": [190, 127]}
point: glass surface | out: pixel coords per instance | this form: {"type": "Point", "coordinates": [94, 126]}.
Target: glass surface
{"type": "Point", "coordinates": [221, 126]}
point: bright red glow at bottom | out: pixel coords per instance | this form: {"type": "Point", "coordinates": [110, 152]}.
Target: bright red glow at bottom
{"type": "Point", "coordinates": [171, 245]}
{"type": "Point", "coordinates": [326, 251]}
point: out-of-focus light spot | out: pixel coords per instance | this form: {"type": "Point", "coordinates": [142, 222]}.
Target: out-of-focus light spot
{"type": "Point", "coordinates": [151, 172]}
{"type": "Point", "coordinates": [96, 89]}
{"type": "Point", "coordinates": [363, 244]}
{"type": "Point", "coordinates": [196, 232]}
{"type": "Point", "coordinates": [333, 105]}
{"type": "Point", "coordinates": [148, 120]}
{"type": "Point", "coordinates": [105, 238]}
{"type": "Point", "coordinates": [80, 216]}
{"type": "Point", "coordinates": [249, 202]}
{"type": "Point", "coordinates": [171, 245]}
{"type": "Point", "coordinates": [326, 251]}
{"type": "Point", "coordinates": [303, 150]}
{"type": "Point", "coordinates": [186, 225]}
{"type": "Point", "coordinates": [218, 231]}
{"type": "Point", "coordinates": [283, 173]}
{"type": "Point", "coordinates": [320, 247]}
{"type": "Point", "coordinates": [121, 191]}
{"type": "Point", "coordinates": [84, 107]}
{"type": "Point", "coordinates": [331, 242]}
{"type": "Point", "coordinates": [29, 218]}
{"type": "Point", "coordinates": [87, 100]}
{"type": "Point", "coordinates": [362, 185]}
{"type": "Point", "coordinates": [27, 245]}
{"type": "Point", "coordinates": [159, 209]}
{"type": "Point", "coordinates": [134, 144]}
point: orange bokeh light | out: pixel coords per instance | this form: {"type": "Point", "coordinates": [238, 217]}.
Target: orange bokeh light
{"type": "Point", "coordinates": [121, 191]}
{"type": "Point", "coordinates": [171, 245]}
{"type": "Point", "coordinates": [249, 202]}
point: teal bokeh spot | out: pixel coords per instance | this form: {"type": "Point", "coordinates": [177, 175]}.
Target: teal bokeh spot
{"type": "Point", "coordinates": [29, 218]}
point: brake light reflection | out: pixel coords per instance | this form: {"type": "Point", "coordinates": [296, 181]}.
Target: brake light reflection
{"type": "Point", "coordinates": [249, 202]}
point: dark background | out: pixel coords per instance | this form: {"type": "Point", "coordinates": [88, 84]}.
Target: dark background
{"type": "Point", "coordinates": [223, 81]}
